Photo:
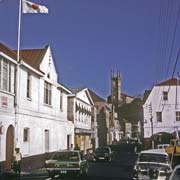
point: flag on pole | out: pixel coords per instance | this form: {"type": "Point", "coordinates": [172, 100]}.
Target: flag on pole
{"type": "Point", "coordinates": [30, 7]}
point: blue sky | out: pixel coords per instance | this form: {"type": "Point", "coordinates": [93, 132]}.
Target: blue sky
{"type": "Point", "coordinates": [90, 37]}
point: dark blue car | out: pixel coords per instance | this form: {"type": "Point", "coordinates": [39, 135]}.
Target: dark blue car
{"type": "Point", "coordinates": [103, 153]}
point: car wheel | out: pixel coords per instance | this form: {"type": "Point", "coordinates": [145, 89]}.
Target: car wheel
{"type": "Point", "coordinates": [80, 173]}
{"type": "Point", "coordinates": [51, 175]}
{"type": "Point", "coordinates": [85, 171]}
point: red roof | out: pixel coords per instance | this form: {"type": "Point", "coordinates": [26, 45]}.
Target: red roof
{"type": "Point", "coordinates": [33, 57]}
{"type": "Point", "coordinates": [170, 82]}
{"type": "Point", "coordinates": [8, 51]}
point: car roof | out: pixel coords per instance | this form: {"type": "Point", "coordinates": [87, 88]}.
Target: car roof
{"type": "Point", "coordinates": [163, 144]}
{"type": "Point", "coordinates": [105, 147]}
{"type": "Point", "coordinates": [66, 150]}
{"type": "Point", "coordinates": [154, 151]}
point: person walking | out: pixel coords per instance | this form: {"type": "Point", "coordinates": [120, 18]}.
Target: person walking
{"type": "Point", "coordinates": [77, 147]}
{"type": "Point", "coordinates": [17, 163]}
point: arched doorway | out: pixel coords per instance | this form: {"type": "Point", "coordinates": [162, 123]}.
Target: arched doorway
{"type": "Point", "coordinates": [9, 147]}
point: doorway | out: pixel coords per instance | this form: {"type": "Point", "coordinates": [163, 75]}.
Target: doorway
{"type": "Point", "coordinates": [9, 147]}
{"type": "Point", "coordinates": [46, 140]}
{"type": "Point", "coordinates": [69, 141]}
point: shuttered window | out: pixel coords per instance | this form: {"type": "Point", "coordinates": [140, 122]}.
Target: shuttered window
{"type": "Point", "coordinates": [47, 93]}
{"type": "Point", "coordinates": [159, 116]}
{"type": "Point", "coordinates": [28, 85]}
{"type": "Point", "coordinates": [6, 75]}
{"type": "Point", "coordinates": [178, 116]}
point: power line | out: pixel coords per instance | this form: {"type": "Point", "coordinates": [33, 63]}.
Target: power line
{"type": "Point", "coordinates": [167, 28]}
{"type": "Point", "coordinates": [170, 55]}
{"type": "Point", "coordinates": [175, 65]}
{"type": "Point", "coordinates": [173, 40]}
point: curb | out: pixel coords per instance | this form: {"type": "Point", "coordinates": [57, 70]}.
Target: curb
{"type": "Point", "coordinates": [6, 174]}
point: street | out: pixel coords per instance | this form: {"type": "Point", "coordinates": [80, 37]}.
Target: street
{"type": "Point", "coordinates": [120, 168]}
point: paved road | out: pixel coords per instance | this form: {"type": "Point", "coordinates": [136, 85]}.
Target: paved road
{"type": "Point", "coordinates": [119, 169]}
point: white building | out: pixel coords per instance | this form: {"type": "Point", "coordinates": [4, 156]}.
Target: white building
{"type": "Point", "coordinates": [80, 107]}
{"type": "Point", "coordinates": [38, 124]}
{"type": "Point", "coordinates": [7, 111]}
{"type": "Point", "coordinates": [162, 108]}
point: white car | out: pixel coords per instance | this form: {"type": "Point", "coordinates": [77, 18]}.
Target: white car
{"type": "Point", "coordinates": [152, 164]}
{"type": "Point", "coordinates": [163, 146]}
{"type": "Point", "coordinates": [67, 162]}
{"type": "Point", "coordinates": [175, 174]}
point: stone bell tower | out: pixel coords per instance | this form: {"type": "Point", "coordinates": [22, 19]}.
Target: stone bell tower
{"type": "Point", "coordinates": [116, 90]}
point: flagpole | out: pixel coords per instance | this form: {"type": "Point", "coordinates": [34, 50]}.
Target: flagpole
{"type": "Point", "coordinates": [19, 29]}
{"type": "Point", "coordinates": [17, 77]}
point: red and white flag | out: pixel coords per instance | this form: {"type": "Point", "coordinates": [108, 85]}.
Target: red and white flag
{"type": "Point", "coordinates": [30, 7]}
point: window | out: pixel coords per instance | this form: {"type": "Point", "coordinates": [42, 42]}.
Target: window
{"type": "Point", "coordinates": [178, 116]}
{"type": "Point", "coordinates": [9, 78]}
{"type": "Point", "coordinates": [47, 93]}
{"type": "Point", "coordinates": [46, 140]}
{"type": "Point", "coordinates": [165, 95]}
{"type": "Point", "coordinates": [159, 116]}
{"type": "Point", "coordinates": [28, 85]}
{"type": "Point", "coordinates": [5, 75]}
{"type": "Point", "coordinates": [61, 100]}
{"type": "Point", "coordinates": [0, 71]}
{"type": "Point", "coordinates": [26, 135]}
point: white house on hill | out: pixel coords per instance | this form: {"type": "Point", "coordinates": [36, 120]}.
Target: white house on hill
{"type": "Point", "coordinates": [162, 108]}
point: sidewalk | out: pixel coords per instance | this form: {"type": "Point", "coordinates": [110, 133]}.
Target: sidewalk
{"type": "Point", "coordinates": [39, 172]}
{"type": "Point", "coordinates": [9, 175]}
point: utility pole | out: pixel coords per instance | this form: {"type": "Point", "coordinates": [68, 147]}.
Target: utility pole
{"type": "Point", "coordinates": [151, 121]}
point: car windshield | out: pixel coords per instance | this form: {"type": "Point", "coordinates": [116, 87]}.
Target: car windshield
{"type": "Point", "coordinates": [176, 175]}
{"type": "Point", "coordinates": [66, 156]}
{"type": "Point", "coordinates": [102, 150]}
{"type": "Point", "coordinates": [153, 158]}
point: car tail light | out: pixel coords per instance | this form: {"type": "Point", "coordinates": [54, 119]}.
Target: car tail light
{"type": "Point", "coordinates": [74, 165]}
{"type": "Point", "coordinates": [50, 165]}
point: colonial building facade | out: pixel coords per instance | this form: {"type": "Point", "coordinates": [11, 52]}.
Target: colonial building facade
{"type": "Point", "coordinates": [80, 107]}
{"type": "Point", "coordinates": [33, 106]}
{"type": "Point", "coordinates": [7, 111]}
{"type": "Point", "coordinates": [162, 109]}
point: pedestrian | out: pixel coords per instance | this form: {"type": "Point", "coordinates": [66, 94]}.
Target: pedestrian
{"type": "Point", "coordinates": [76, 147]}
{"type": "Point", "coordinates": [71, 147]}
{"type": "Point", "coordinates": [17, 163]}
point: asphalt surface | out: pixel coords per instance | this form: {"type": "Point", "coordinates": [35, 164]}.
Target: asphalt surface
{"type": "Point", "coordinates": [120, 168]}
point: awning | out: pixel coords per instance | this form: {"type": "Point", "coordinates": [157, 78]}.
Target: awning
{"type": "Point", "coordinates": [84, 131]}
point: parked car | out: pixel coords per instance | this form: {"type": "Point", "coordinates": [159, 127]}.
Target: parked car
{"type": "Point", "coordinates": [175, 174]}
{"type": "Point", "coordinates": [67, 162]}
{"type": "Point", "coordinates": [162, 146]}
{"type": "Point", "coordinates": [103, 153]}
{"type": "Point", "coordinates": [152, 164]}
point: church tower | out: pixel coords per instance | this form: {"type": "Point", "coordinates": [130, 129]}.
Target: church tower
{"type": "Point", "coordinates": [116, 90]}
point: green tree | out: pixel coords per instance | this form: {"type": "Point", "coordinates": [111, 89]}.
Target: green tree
{"type": "Point", "coordinates": [131, 112]}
